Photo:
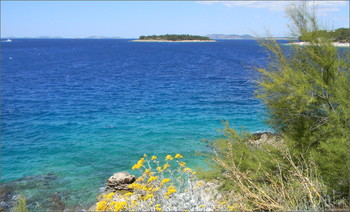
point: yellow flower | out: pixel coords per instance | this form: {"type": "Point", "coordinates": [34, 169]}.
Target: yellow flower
{"type": "Point", "coordinates": [139, 179]}
{"type": "Point", "coordinates": [120, 206]}
{"type": "Point", "coordinates": [182, 164]}
{"type": "Point", "coordinates": [148, 196]}
{"type": "Point", "coordinates": [222, 202]}
{"type": "Point", "coordinates": [144, 155]}
{"type": "Point", "coordinates": [166, 197]}
{"type": "Point", "coordinates": [108, 196]}
{"type": "Point", "coordinates": [194, 173]}
{"type": "Point", "coordinates": [230, 208]}
{"type": "Point", "coordinates": [158, 208]}
{"type": "Point", "coordinates": [166, 166]}
{"type": "Point", "coordinates": [135, 186]}
{"type": "Point", "coordinates": [101, 206]}
{"type": "Point", "coordinates": [159, 169]}
{"type": "Point", "coordinates": [187, 170]}
{"type": "Point", "coordinates": [156, 189]}
{"type": "Point", "coordinates": [127, 194]}
{"type": "Point", "coordinates": [171, 189]}
{"type": "Point", "coordinates": [201, 206]}
{"type": "Point", "coordinates": [165, 180]}
{"type": "Point", "coordinates": [153, 157]}
{"type": "Point", "coordinates": [178, 156]}
{"type": "Point", "coordinates": [136, 166]}
{"type": "Point", "coordinates": [199, 183]}
{"type": "Point", "coordinates": [147, 171]}
{"type": "Point", "coordinates": [152, 178]}
{"type": "Point", "coordinates": [139, 164]}
{"type": "Point", "coordinates": [169, 157]}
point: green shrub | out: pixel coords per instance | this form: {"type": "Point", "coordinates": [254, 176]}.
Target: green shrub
{"type": "Point", "coordinates": [307, 95]}
{"type": "Point", "coordinates": [264, 176]}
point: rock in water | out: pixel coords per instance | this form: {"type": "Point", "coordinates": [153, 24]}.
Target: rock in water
{"type": "Point", "coordinates": [7, 198]}
{"type": "Point", "coordinates": [119, 181]}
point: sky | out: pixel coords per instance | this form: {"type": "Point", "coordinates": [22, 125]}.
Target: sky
{"type": "Point", "coordinates": [131, 19]}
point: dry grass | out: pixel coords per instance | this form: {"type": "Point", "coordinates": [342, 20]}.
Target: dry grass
{"type": "Point", "coordinates": [288, 187]}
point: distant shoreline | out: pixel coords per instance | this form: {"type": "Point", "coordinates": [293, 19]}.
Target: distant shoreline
{"type": "Point", "coordinates": [336, 44]}
{"type": "Point", "coordinates": [173, 41]}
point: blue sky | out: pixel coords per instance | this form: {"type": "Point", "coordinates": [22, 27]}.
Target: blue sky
{"type": "Point", "coordinates": [130, 19]}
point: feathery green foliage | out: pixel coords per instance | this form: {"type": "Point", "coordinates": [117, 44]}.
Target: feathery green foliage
{"type": "Point", "coordinates": [307, 94]}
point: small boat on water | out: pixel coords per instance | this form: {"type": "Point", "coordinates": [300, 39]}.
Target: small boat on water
{"type": "Point", "coordinates": [8, 40]}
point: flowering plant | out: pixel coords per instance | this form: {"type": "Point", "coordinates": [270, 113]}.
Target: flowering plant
{"type": "Point", "coordinates": [167, 186]}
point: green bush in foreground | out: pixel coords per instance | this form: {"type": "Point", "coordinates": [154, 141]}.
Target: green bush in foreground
{"type": "Point", "coordinates": [307, 95]}
{"type": "Point", "coordinates": [263, 176]}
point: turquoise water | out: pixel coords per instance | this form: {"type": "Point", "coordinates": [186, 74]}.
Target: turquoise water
{"type": "Point", "coordinates": [76, 111]}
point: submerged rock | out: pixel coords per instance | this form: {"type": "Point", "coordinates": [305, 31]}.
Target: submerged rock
{"type": "Point", "coordinates": [7, 198]}
{"type": "Point", "coordinates": [11, 190]}
{"type": "Point", "coordinates": [57, 202]}
{"type": "Point", "coordinates": [119, 181]}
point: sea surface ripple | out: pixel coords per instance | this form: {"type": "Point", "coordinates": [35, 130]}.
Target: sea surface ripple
{"type": "Point", "coordinates": [75, 111]}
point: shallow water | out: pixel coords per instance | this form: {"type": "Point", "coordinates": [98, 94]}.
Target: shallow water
{"type": "Point", "coordinates": [81, 110]}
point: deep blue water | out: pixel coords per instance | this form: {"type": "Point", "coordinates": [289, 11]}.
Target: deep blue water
{"type": "Point", "coordinates": [73, 112]}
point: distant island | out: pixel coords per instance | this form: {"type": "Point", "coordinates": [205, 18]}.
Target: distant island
{"type": "Point", "coordinates": [230, 36]}
{"type": "Point", "coordinates": [244, 37]}
{"type": "Point", "coordinates": [174, 38]}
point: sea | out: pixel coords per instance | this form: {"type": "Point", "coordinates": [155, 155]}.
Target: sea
{"type": "Point", "coordinates": [75, 111]}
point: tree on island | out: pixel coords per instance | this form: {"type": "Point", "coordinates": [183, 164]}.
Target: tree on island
{"type": "Point", "coordinates": [173, 37]}
{"type": "Point", "coordinates": [339, 35]}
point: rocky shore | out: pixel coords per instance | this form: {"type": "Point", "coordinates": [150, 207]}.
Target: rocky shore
{"type": "Point", "coordinates": [336, 44]}
{"type": "Point", "coordinates": [119, 184]}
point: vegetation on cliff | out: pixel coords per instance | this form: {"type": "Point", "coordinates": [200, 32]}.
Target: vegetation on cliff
{"type": "Point", "coordinates": [174, 37]}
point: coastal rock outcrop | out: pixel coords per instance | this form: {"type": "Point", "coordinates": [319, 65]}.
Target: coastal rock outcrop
{"type": "Point", "coordinates": [119, 181]}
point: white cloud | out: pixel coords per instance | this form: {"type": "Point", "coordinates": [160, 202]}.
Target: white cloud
{"type": "Point", "coordinates": [207, 2]}
{"type": "Point", "coordinates": [323, 6]}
